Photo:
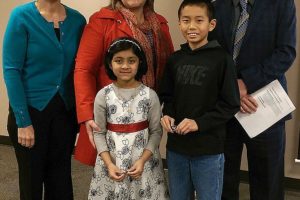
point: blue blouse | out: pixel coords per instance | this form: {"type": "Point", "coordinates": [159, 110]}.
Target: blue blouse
{"type": "Point", "coordinates": [36, 65]}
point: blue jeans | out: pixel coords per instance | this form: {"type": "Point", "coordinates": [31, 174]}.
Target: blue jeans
{"type": "Point", "coordinates": [265, 154]}
{"type": "Point", "coordinates": [201, 173]}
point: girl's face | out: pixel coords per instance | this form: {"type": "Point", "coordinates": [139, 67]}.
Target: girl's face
{"type": "Point", "coordinates": [134, 4]}
{"type": "Point", "coordinates": [125, 65]}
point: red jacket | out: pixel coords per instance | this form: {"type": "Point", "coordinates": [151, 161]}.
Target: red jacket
{"type": "Point", "coordinates": [104, 26]}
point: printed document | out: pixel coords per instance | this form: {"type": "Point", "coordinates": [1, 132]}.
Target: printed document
{"type": "Point", "coordinates": [273, 105]}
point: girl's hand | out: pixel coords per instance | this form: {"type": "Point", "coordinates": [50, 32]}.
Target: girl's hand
{"type": "Point", "coordinates": [90, 127]}
{"type": "Point", "coordinates": [115, 173]}
{"type": "Point", "coordinates": [26, 136]}
{"type": "Point", "coordinates": [186, 126]}
{"type": "Point", "coordinates": [137, 169]}
{"type": "Point", "coordinates": [167, 122]}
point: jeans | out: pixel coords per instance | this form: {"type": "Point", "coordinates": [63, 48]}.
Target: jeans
{"type": "Point", "coordinates": [201, 173]}
{"type": "Point", "coordinates": [265, 154]}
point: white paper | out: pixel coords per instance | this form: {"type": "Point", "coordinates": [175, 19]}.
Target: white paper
{"type": "Point", "coordinates": [273, 105]}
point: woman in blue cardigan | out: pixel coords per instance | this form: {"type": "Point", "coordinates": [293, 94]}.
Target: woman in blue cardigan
{"type": "Point", "coordinates": [39, 49]}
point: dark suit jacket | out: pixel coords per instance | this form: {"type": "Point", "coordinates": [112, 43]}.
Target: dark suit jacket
{"type": "Point", "coordinates": [268, 49]}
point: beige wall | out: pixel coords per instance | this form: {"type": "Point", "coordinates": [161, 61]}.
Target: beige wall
{"type": "Point", "coordinates": [293, 126]}
{"type": "Point", "coordinates": [168, 8]}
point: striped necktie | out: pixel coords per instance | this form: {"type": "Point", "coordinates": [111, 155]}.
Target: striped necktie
{"type": "Point", "coordinates": [241, 29]}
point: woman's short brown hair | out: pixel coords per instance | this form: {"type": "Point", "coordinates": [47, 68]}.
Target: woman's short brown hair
{"type": "Point", "coordinates": [148, 4]}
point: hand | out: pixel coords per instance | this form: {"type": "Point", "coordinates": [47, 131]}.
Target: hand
{"type": "Point", "coordinates": [115, 173]}
{"type": "Point", "coordinates": [137, 169]}
{"type": "Point", "coordinates": [90, 127]}
{"type": "Point", "coordinates": [26, 136]}
{"type": "Point", "coordinates": [186, 126]}
{"type": "Point", "coordinates": [242, 88]}
{"type": "Point", "coordinates": [248, 104]}
{"type": "Point", "coordinates": [166, 122]}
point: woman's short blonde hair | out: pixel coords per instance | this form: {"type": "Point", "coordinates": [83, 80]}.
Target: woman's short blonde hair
{"type": "Point", "coordinates": [149, 4]}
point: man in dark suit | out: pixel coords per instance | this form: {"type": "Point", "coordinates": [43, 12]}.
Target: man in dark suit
{"type": "Point", "coordinates": [261, 37]}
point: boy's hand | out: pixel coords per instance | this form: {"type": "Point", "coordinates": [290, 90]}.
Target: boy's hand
{"type": "Point", "coordinates": [166, 122]}
{"type": "Point", "coordinates": [186, 126]}
{"type": "Point", "coordinates": [137, 169]}
{"type": "Point", "coordinates": [115, 173]}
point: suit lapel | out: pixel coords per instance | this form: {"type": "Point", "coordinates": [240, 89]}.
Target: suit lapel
{"type": "Point", "coordinates": [258, 9]}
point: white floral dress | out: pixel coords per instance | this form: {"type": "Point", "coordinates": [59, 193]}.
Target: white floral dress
{"type": "Point", "coordinates": [125, 149]}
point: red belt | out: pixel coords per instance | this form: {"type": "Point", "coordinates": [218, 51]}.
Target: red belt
{"type": "Point", "coordinates": [127, 128]}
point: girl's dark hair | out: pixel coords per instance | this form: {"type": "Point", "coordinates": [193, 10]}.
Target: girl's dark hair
{"type": "Point", "coordinates": [122, 44]}
{"type": "Point", "coordinates": [202, 3]}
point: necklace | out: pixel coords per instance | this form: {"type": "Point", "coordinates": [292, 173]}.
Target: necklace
{"type": "Point", "coordinates": [59, 14]}
{"type": "Point", "coordinates": [126, 102]}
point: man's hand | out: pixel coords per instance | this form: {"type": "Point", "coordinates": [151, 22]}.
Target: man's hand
{"type": "Point", "coordinates": [248, 103]}
{"type": "Point", "coordinates": [90, 127]}
{"type": "Point", "coordinates": [242, 88]}
{"type": "Point", "coordinates": [186, 126]}
{"type": "Point", "coordinates": [26, 136]}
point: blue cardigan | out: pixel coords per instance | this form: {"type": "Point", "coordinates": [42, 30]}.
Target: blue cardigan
{"type": "Point", "coordinates": [36, 65]}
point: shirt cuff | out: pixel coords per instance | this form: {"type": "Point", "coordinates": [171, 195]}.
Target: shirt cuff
{"type": "Point", "coordinates": [22, 118]}
{"type": "Point", "coordinates": [151, 148]}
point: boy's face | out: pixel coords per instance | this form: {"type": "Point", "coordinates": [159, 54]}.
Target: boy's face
{"type": "Point", "coordinates": [195, 25]}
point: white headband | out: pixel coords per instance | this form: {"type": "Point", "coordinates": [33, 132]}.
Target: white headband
{"type": "Point", "coordinates": [124, 40]}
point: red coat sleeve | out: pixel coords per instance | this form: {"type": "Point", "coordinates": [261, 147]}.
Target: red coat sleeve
{"type": "Point", "coordinates": [89, 58]}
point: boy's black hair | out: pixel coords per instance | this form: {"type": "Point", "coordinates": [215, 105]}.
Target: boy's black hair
{"type": "Point", "coordinates": [202, 3]}
{"type": "Point", "coordinates": [123, 44]}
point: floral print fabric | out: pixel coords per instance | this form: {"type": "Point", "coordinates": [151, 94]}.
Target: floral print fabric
{"type": "Point", "coordinates": [125, 149]}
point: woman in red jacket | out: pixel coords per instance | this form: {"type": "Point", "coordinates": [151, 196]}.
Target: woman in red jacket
{"type": "Point", "coordinates": [131, 18]}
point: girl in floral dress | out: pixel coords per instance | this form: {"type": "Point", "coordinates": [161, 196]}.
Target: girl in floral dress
{"type": "Point", "coordinates": [128, 164]}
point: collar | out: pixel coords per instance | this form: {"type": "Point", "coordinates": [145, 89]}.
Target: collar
{"type": "Point", "coordinates": [210, 45]}
{"type": "Point", "coordinates": [236, 2]}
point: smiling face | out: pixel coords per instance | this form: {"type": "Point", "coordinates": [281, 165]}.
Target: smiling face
{"type": "Point", "coordinates": [134, 4]}
{"type": "Point", "coordinates": [125, 65]}
{"type": "Point", "coordinates": [195, 25]}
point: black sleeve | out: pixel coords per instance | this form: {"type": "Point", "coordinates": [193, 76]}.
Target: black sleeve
{"type": "Point", "coordinates": [228, 101]}
{"type": "Point", "coordinates": [166, 90]}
